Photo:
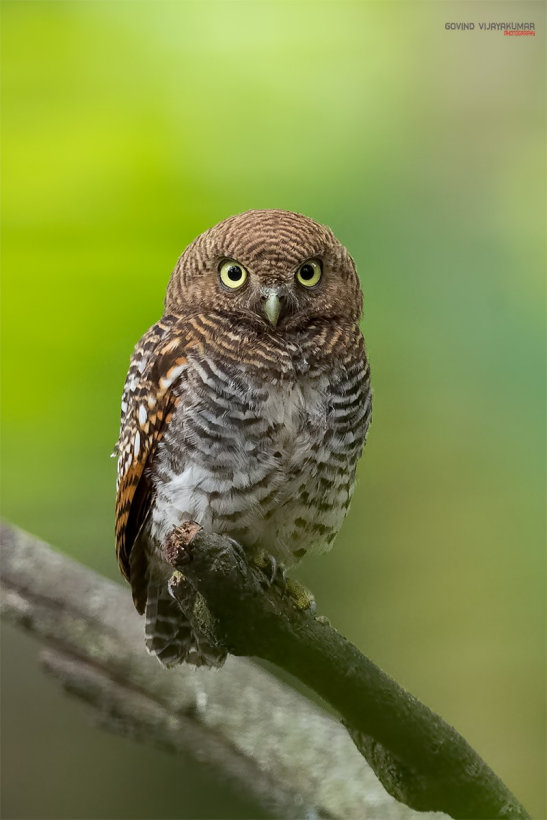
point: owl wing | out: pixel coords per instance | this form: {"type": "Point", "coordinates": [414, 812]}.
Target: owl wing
{"type": "Point", "coordinates": [148, 401]}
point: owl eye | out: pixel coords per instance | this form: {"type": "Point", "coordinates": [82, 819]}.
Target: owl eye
{"type": "Point", "coordinates": [309, 274]}
{"type": "Point", "coordinates": [232, 274]}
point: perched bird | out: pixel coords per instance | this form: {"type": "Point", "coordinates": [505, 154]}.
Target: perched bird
{"type": "Point", "coordinates": [245, 408]}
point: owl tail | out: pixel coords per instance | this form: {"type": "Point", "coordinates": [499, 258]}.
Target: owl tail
{"type": "Point", "coordinates": [168, 634]}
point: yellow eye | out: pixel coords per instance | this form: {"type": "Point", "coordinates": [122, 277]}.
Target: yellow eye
{"type": "Point", "coordinates": [309, 274]}
{"type": "Point", "coordinates": [232, 274]}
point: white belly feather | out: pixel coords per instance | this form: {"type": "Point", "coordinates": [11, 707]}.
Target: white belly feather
{"type": "Point", "coordinates": [275, 469]}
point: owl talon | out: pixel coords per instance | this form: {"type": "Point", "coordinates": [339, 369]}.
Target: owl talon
{"type": "Point", "coordinates": [238, 548]}
{"type": "Point", "coordinates": [274, 573]}
{"type": "Point", "coordinates": [300, 596]}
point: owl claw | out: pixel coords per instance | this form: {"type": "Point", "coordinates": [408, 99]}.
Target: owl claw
{"type": "Point", "coordinates": [237, 548]}
{"type": "Point", "coordinates": [300, 596]}
{"type": "Point", "coordinates": [274, 573]}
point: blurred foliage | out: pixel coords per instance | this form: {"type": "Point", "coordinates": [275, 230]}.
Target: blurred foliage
{"type": "Point", "coordinates": [130, 127]}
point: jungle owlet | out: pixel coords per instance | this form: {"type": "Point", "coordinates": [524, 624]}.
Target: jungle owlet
{"type": "Point", "coordinates": [245, 407]}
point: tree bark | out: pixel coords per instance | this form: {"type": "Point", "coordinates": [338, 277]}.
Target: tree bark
{"type": "Point", "coordinates": [295, 760]}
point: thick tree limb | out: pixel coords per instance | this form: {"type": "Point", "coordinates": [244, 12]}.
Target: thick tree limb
{"type": "Point", "coordinates": [294, 759]}
{"type": "Point", "coordinates": [277, 746]}
{"type": "Point", "coordinates": [419, 758]}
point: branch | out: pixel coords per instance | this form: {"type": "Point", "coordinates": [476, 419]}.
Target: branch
{"type": "Point", "coordinates": [420, 759]}
{"type": "Point", "coordinates": [277, 746]}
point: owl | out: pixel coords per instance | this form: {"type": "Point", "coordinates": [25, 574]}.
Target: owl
{"type": "Point", "coordinates": [245, 408]}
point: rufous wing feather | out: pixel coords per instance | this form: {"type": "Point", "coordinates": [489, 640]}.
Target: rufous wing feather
{"type": "Point", "coordinates": [151, 393]}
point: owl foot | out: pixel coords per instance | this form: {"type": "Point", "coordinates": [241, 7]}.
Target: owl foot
{"type": "Point", "coordinates": [238, 548]}
{"type": "Point", "coordinates": [274, 573]}
{"type": "Point", "coordinates": [300, 596]}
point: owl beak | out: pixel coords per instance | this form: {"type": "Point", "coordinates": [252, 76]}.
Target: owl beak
{"type": "Point", "coordinates": [271, 304]}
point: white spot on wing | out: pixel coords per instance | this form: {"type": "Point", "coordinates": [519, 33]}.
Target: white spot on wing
{"type": "Point", "coordinates": [143, 415]}
{"type": "Point", "coordinates": [172, 374]}
{"type": "Point", "coordinates": [137, 444]}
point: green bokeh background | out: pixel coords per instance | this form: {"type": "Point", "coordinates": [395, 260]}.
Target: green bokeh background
{"type": "Point", "coordinates": [129, 127]}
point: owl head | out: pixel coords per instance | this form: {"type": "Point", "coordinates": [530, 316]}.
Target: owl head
{"type": "Point", "coordinates": [275, 270]}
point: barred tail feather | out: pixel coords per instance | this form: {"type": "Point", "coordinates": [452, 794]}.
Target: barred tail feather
{"type": "Point", "coordinates": [168, 634]}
